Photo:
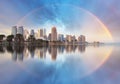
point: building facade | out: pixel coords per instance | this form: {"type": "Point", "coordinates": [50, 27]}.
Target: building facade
{"type": "Point", "coordinates": [60, 37]}
{"type": "Point", "coordinates": [14, 30]}
{"type": "Point", "coordinates": [20, 30]}
{"type": "Point", "coordinates": [32, 32]}
{"type": "Point", "coordinates": [53, 34]}
{"type": "Point", "coordinates": [81, 39]}
{"type": "Point", "coordinates": [26, 34]}
{"type": "Point", "coordinates": [40, 33]}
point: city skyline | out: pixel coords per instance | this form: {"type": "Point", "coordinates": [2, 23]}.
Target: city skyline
{"type": "Point", "coordinates": [104, 33]}
{"type": "Point", "coordinates": [41, 53]}
{"type": "Point", "coordinates": [59, 41]}
{"type": "Point", "coordinates": [100, 25]}
{"type": "Point", "coordinates": [54, 35]}
{"type": "Point", "coordinates": [41, 34]}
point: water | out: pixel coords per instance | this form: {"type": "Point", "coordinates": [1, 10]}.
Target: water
{"type": "Point", "coordinates": [60, 65]}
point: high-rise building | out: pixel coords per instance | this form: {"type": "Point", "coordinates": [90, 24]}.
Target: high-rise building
{"type": "Point", "coordinates": [14, 30]}
{"type": "Point", "coordinates": [81, 39]}
{"type": "Point", "coordinates": [68, 38]}
{"type": "Point", "coordinates": [36, 35]}
{"type": "Point", "coordinates": [60, 37]}
{"type": "Point", "coordinates": [40, 33]}
{"type": "Point", "coordinates": [32, 32]}
{"type": "Point", "coordinates": [26, 34]}
{"type": "Point", "coordinates": [49, 37]}
{"type": "Point", "coordinates": [53, 34]}
{"type": "Point", "coordinates": [44, 32]}
{"type": "Point", "coordinates": [74, 39]}
{"type": "Point", "coordinates": [20, 30]}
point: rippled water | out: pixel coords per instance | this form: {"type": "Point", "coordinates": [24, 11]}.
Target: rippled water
{"type": "Point", "coordinates": [60, 65]}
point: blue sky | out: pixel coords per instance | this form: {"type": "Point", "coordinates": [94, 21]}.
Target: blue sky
{"type": "Point", "coordinates": [62, 13]}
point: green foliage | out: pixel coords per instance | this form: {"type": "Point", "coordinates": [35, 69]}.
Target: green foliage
{"type": "Point", "coordinates": [19, 38]}
{"type": "Point", "coordinates": [31, 38]}
{"type": "Point", "coordinates": [1, 37]}
{"type": "Point", "coordinates": [9, 38]}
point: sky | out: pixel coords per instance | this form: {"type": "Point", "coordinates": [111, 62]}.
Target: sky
{"type": "Point", "coordinates": [69, 16]}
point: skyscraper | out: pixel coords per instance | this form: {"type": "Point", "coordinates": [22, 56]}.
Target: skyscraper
{"type": "Point", "coordinates": [32, 32]}
{"type": "Point", "coordinates": [81, 39]}
{"type": "Point", "coordinates": [60, 37]}
{"type": "Point", "coordinates": [14, 30]}
{"type": "Point", "coordinates": [36, 35]}
{"type": "Point", "coordinates": [74, 39]}
{"type": "Point", "coordinates": [26, 34]}
{"type": "Point", "coordinates": [44, 32]}
{"type": "Point", "coordinates": [20, 30]}
{"type": "Point", "coordinates": [53, 34]}
{"type": "Point", "coordinates": [68, 38]}
{"type": "Point", "coordinates": [49, 37]}
{"type": "Point", "coordinates": [40, 33]}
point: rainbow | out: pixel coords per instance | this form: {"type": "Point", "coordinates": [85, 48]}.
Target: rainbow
{"type": "Point", "coordinates": [106, 30]}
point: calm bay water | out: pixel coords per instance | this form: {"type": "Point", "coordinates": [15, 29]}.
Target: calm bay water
{"type": "Point", "coordinates": [60, 65]}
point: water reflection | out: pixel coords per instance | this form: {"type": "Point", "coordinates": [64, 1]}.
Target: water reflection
{"type": "Point", "coordinates": [81, 48]}
{"type": "Point", "coordinates": [31, 49]}
{"type": "Point", "coordinates": [63, 63]}
{"type": "Point", "coordinates": [19, 52]}
{"type": "Point", "coordinates": [53, 52]}
{"type": "Point", "coordinates": [10, 49]}
{"type": "Point", "coordinates": [2, 49]}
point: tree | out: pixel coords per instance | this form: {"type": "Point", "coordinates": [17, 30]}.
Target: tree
{"type": "Point", "coordinates": [1, 37]}
{"type": "Point", "coordinates": [31, 38]}
{"type": "Point", "coordinates": [19, 38]}
{"type": "Point", "coordinates": [10, 38]}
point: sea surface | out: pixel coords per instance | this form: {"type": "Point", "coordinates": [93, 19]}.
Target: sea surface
{"type": "Point", "coordinates": [60, 64]}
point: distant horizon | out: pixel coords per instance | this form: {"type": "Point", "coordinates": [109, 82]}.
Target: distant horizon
{"type": "Point", "coordinates": [59, 41]}
{"type": "Point", "coordinates": [47, 33]}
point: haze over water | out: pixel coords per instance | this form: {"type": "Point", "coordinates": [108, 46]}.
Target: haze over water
{"type": "Point", "coordinates": [60, 65]}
